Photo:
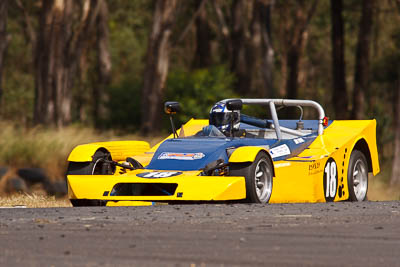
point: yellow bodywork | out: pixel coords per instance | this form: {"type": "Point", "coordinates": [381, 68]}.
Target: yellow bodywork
{"type": "Point", "coordinates": [300, 179]}
{"type": "Point", "coordinates": [245, 154]}
{"type": "Point", "coordinates": [119, 150]}
{"type": "Point", "coordinates": [297, 179]}
{"type": "Point", "coordinates": [192, 187]}
{"type": "Point", "coordinates": [129, 203]}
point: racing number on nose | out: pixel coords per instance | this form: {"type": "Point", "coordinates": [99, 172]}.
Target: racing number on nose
{"type": "Point", "coordinates": [330, 180]}
{"type": "Point", "coordinates": [160, 174]}
{"type": "Point", "coordinates": [152, 175]}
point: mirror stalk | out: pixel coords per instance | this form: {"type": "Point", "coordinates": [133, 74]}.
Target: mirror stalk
{"type": "Point", "coordinates": [172, 108]}
{"type": "Point", "coordinates": [173, 126]}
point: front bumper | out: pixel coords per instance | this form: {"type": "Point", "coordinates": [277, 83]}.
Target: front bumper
{"type": "Point", "coordinates": [189, 188]}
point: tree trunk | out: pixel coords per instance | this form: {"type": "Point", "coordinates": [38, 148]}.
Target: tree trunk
{"type": "Point", "coordinates": [203, 38]}
{"type": "Point", "coordinates": [259, 53]}
{"type": "Point", "coordinates": [395, 178]}
{"type": "Point", "coordinates": [267, 57]}
{"type": "Point", "coordinates": [296, 44]}
{"type": "Point", "coordinates": [238, 42]}
{"type": "Point", "coordinates": [339, 96]}
{"type": "Point", "coordinates": [254, 49]}
{"type": "Point", "coordinates": [251, 54]}
{"type": "Point", "coordinates": [3, 40]}
{"type": "Point", "coordinates": [157, 63]}
{"type": "Point", "coordinates": [294, 18]}
{"type": "Point", "coordinates": [224, 30]}
{"type": "Point", "coordinates": [50, 72]}
{"type": "Point", "coordinates": [58, 50]}
{"type": "Point", "coordinates": [100, 96]}
{"type": "Point", "coordinates": [362, 59]}
{"type": "Point", "coordinates": [292, 62]}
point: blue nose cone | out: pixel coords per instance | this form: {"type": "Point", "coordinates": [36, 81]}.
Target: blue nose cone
{"type": "Point", "coordinates": [188, 154]}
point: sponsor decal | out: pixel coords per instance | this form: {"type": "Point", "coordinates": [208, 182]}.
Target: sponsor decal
{"type": "Point", "coordinates": [298, 140]}
{"type": "Point", "coordinates": [279, 165]}
{"type": "Point", "coordinates": [330, 180]}
{"type": "Point", "coordinates": [305, 157]}
{"type": "Point", "coordinates": [153, 175]}
{"type": "Point", "coordinates": [181, 156]}
{"type": "Point", "coordinates": [265, 147]}
{"type": "Point", "coordinates": [314, 168]}
{"type": "Point", "coordinates": [279, 151]}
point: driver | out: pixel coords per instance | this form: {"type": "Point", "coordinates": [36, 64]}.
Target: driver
{"type": "Point", "coordinates": [223, 119]}
{"type": "Point", "coordinates": [220, 122]}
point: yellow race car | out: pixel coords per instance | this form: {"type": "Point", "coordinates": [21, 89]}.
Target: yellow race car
{"type": "Point", "coordinates": [231, 157]}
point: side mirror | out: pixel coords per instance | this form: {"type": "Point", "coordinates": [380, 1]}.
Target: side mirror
{"type": "Point", "coordinates": [235, 104]}
{"type": "Point", "coordinates": [172, 107]}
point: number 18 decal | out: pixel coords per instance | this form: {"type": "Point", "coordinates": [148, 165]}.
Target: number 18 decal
{"type": "Point", "coordinates": [330, 180]}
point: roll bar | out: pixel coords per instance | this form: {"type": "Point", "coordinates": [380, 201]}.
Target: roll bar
{"type": "Point", "coordinates": [285, 102]}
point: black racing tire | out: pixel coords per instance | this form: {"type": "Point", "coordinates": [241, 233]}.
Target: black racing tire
{"type": "Point", "coordinates": [258, 176]}
{"type": "Point", "coordinates": [357, 176]}
{"type": "Point", "coordinates": [94, 167]}
{"type": "Point", "coordinates": [87, 202]}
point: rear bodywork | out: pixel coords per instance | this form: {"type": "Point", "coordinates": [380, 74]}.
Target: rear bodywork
{"type": "Point", "coordinates": [173, 169]}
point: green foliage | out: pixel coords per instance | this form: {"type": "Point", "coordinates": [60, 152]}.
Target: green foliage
{"type": "Point", "coordinates": [130, 24]}
{"type": "Point", "coordinates": [386, 69]}
{"type": "Point", "coordinates": [18, 82]}
{"type": "Point", "coordinates": [198, 90]}
{"type": "Point", "coordinates": [384, 87]}
{"type": "Point", "coordinates": [124, 105]}
{"type": "Point", "coordinates": [18, 97]}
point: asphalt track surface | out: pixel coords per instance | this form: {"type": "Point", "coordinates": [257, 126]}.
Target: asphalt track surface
{"type": "Point", "coordinates": [324, 234]}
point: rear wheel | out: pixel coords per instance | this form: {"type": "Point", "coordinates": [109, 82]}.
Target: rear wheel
{"type": "Point", "coordinates": [357, 176]}
{"type": "Point", "coordinates": [258, 175]}
{"type": "Point", "coordinates": [95, 167]}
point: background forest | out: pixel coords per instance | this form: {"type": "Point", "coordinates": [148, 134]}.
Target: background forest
{"type": "Point", "coordinates": [108, 65]}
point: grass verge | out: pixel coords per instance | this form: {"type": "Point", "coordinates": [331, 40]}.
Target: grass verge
{"type": "Point", "coordinates": [33, 201]}
{"type": "Point", "coordinates": [49, 148]}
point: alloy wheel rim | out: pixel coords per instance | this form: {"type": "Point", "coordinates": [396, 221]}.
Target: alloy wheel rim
{"type": "Point", "coordinates": [263, 181]}
{"type": "Point", "coordinates": [97, 166]}
{"type": "Point", "coordinates": [360, 180]}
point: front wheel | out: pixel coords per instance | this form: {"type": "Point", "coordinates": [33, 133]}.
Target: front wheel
{"type": "Point", "coordinates": [357, 176]}
{"type": "Point", "coordinates": [95, 167]}
{"type": "Point", "coordinates": [98, 166]}
{"type": "Point", "coordinates": [258, 175]}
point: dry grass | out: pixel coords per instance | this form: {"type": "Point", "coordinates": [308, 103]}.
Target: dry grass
{"type": "Point", "coordinates": [45, 148]}
{"type": "Point", "coordinates": [379, 188]}
{"type": "Point", "coordinates": [49, 148]}
{"type": "Point", "coordinates": [33, 201]}
{"type": "Point", "coordinates": [380, 191]}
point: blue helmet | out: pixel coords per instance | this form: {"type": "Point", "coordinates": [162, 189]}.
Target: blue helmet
{"type": "Point", "coordinates": [221, 118]}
